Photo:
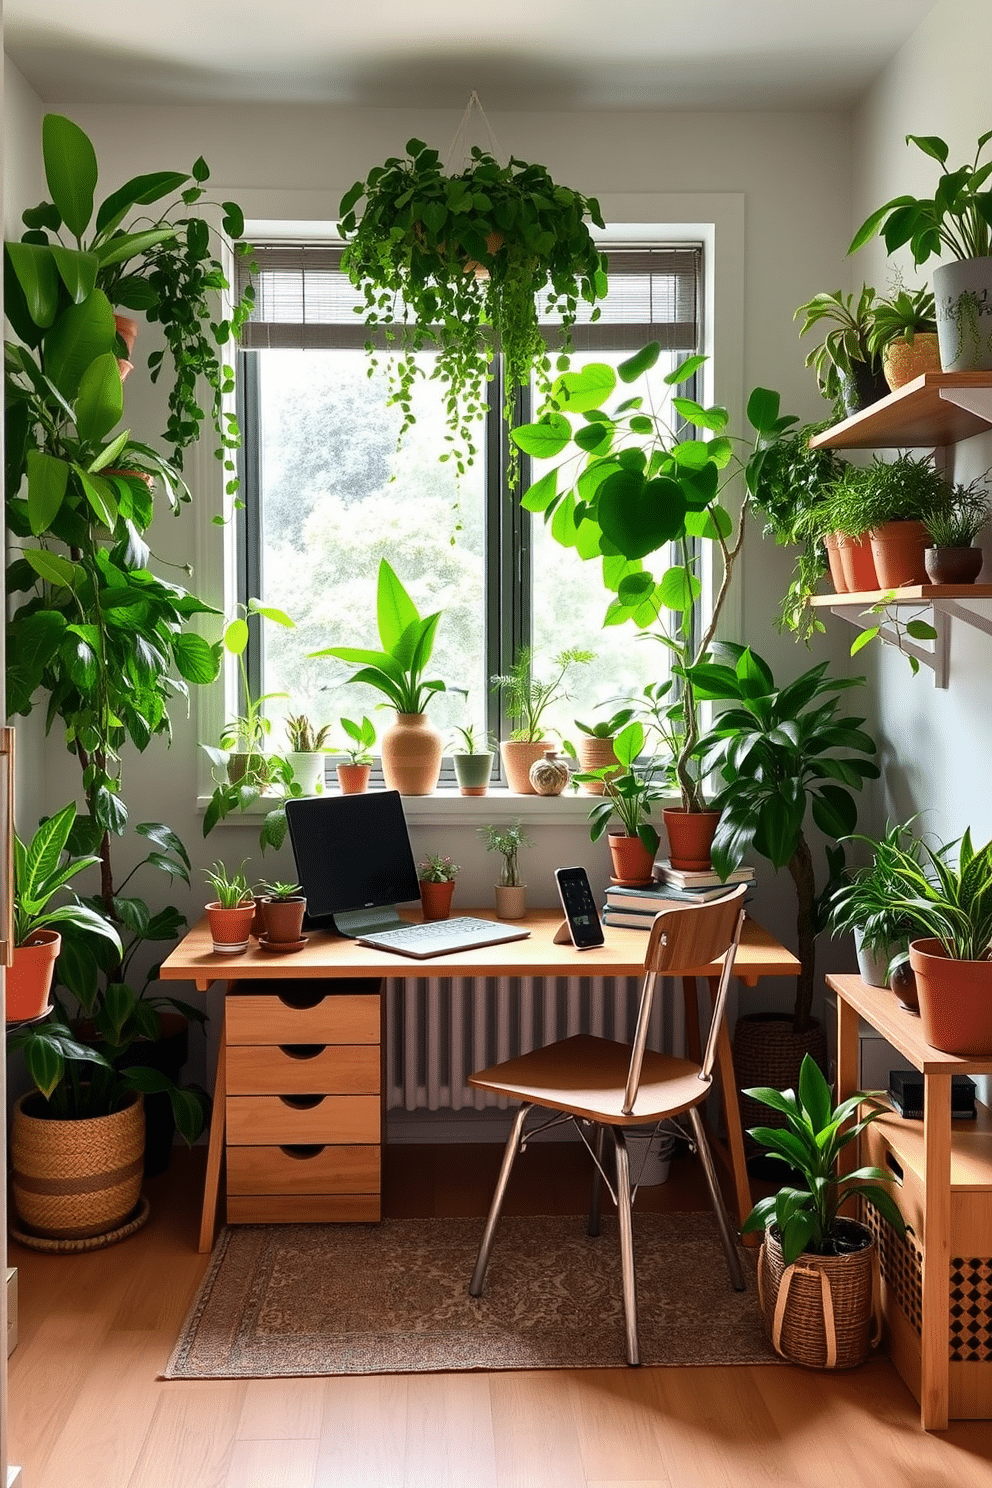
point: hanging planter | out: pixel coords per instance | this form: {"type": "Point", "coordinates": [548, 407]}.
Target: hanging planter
{"type": "Point", "coordinates": [464, 263]}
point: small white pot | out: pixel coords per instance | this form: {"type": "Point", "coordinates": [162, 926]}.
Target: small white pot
{"type": "Point", "coordinates": [309, 771]}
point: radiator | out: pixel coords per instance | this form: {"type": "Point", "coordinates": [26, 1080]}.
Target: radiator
{"type": "Point", "coordinates": [441, 1029]}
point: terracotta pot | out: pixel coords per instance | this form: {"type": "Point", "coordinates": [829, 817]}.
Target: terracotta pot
{"type": "Point", "coordinates": [73, 1179]}
{"type": "Point", "coordinates": [953, 565]}
{"type": "Point", "coordinates": [472, 771]}
{"type": "Point", "coordinates": [518, 756]}
{"type": "Point", "coordinates": [857, 563]}
{"type": "Point", "coordinates": [127, 329]}
{"type": "Point", "coordinates": [258, 918]}
{"type": "Point", "coordinates": [962, 293]}
{"type": "Point", "coordinates": [632, 862]}
{"type": "Point", "coordinates": [832, 544]}
{"type": "Point", "coordinates": [690, 837]}
{"type": "Point", "coordinates": [898, 548]}
{"type": "Point", "coordinates": [230, 928]}
{"type": "Point", "coordinates": [354, 779]}
{"type": "Point", "coordinates": [904, 361]}
{"type": "Point", "coordinates": [411, 755]}
{"type": "Point", "coordinates": [511, 901]}
{"type": "Point", "coordinates": [29, 979]}
{"type": "Point", "coordinates": [308, 769]}
{"type": "Point", "coordinates": [955, 1000]}
{"type": "Point", "coordinates": [284, 919]}
{"type": "Point", "coordinates": [549, 775]}
{"type": "Point", "coordinates": [798, 1326]}
{"type": "Point", "coordinates": [435, 899]}
{"type": "Point", "coordinates": [596, 754]}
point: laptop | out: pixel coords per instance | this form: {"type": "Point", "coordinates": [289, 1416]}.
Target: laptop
{"type": "Point", "coordinates": [355, 864]}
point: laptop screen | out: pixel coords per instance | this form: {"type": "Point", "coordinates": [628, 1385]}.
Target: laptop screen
{"type": "Point", "coordinates": [352, 852]}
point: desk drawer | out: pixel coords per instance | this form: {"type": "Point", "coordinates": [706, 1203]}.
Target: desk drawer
{"type": "Point", "coordinates": [304, 1209]}
{"type": "Point", "coordinates": [345, 1018]}
{"type": "Point", "coordinates": [261, 1120]}
{"type": "Point", "coordinates": [303, 1069]}
{"type": "Point", "coordinates": [310, 1169]}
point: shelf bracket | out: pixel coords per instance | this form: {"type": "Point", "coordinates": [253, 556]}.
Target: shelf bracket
{"type": "Point", "coordinates": [973, 400]}
{"type": "Point", "coordinates": [935, 658]}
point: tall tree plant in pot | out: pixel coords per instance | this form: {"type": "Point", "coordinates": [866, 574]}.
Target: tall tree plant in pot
{"type": "Point", "coordinates": [631, 489]}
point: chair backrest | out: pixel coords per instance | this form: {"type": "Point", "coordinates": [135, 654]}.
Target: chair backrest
{"type": "Point", "coordinates": [684, 942]}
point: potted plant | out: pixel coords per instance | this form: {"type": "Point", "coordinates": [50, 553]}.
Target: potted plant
{"type": "Point", "coordinates": [459, 263]}
{"type": "Point", "coordinates": [525, 699]}
{"type": "Point", "coordinates": [952, 557]}
{"type": "Point", "coordinates": [411, 747]}
{"type": "Point", "coordinates": [473, 765]}
{"type": "Point", "coordinates": [353, 777]}
{"type": "Point", "coordinates": [283, 908]}
{"type": "Point", "coordinates": [306, 752]}
{"type": "Point", "coordinates": [230, 914]}
{"type": "Point", "coordinates": [629, 796]}
{"type": "Point", "coordinates": [511, 893]}
{"type": "Point", "coordinates": [595, 751]}
{"type": "Point", "coordinates": [810, 1249]}
{"type": "Point", "coordinates": [905, 332]}
{"type": "Point", "coordinates": [630, 488]}
{"type": "Point", "coordinates": [436, 874]}
{"type": "Point", "coordinates": [863, 905]}
{"type": "Point", "coordinates": [39, 874]}
{"type": "Point", "coordinates": [956, 220]}
{"type": "Point", "coordinates": [847, 364]}
{"type": "Point", "coordinates": [883, 507]}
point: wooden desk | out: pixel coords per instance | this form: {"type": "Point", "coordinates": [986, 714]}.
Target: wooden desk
{"type": "Point", "coordinates": [332, 957]}
{"type": "Point", "coordinates": [944, 1169]}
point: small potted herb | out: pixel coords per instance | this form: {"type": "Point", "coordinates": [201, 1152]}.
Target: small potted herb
{"type": "Point", "coordinates": [231, 911]}
{"type": "Point", "coordinates": [511, 893]}
{"type": "Point", "coordinates": [283, 908]}
{"type": "Point", "coordinates": [952, 557]}
{"type": "Point", "coordinates": [473, 762]}
{"type": "Point", "coordinates": [596, 748]}
{"type": "Point", "coordinates": [437, 874]}
{"type": "Point", "coordinates": [307, 745]}
{"type": "Point", "coordinates": [525, 700]}
{"type": "Point", "coordinates": [353, 776]}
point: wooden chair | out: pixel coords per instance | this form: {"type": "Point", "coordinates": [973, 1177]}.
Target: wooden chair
{"type": "Point", "coordinates": [605, 1085]}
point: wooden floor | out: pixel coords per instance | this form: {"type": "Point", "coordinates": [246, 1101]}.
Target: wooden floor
{"type": "Point", "coordinates": [86, 1409]}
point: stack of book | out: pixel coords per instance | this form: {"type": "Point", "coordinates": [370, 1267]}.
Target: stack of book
{"type": "Point", "coordinates": [635, 908]}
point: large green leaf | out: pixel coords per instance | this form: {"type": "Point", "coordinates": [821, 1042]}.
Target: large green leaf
{"type": "Point", "coordinates": [639, 516]}
{"type": "Point", "coordinates": [544, 439]}
{"type": "Point", "coordinates": [196, 659]}
{"type": "Point", "coordinates": [139, 191]}
{"type": "Point", "coordinates": [51, 567]}
{"type": "Point", "coordinates": [77, 271]}
{"type": "Point", "coordinates": [395, 610]}
{"type": "Point", "coordinates": [579, 392]}
{"type": "Point", "coordinates": [82, 333]}
{"type": "Point", "coordinates": [47, 480]}
{"type": "Point", "coordinates": [70, 170]}
{"type": "Point", "coordinates": [35, 271]}
{"type": "Point", "coordinates": [100, 399]}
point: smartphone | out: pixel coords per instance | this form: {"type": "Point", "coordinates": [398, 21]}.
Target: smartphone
{"type": "Point", "coordinates": [581, 914]}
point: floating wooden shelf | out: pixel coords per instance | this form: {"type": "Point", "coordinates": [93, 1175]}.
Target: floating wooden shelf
{"type": "Point", "coordinates": [936, 409]}
{"type": "Point", "coordinates": [946, 601]}
{"type": "Point", "coordinates": [911, 594]}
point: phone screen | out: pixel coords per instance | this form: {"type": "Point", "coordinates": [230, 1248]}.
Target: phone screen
{"type": "Point", "coordinates": [580, 907]}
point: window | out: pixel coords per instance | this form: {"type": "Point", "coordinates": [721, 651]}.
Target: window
{"type": "Point", "coordinates": [327, 494]}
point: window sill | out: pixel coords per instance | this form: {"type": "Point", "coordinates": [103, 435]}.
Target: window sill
{"type": "Point", "coordinates": [449, 807]}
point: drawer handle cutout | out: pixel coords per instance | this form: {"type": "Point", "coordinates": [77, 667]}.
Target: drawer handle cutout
{"type": "Point", "coordinates": [303, 1151]}
{"type": "Point", "coordinates": [302, 1051]}
{"type": "Point", "coordinates": [301, 1102]}
{"type": "Point", "coordinates": [890, 1162]}
{"type": "Point", "coordinates": [302, 996]}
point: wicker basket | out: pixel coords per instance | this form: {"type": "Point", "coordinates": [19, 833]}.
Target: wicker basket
{"type": "Point", "coordinates": [768, 1052]}
{"type": "Point", "coordinates": [72, 1179]}
{"type": "Point", "coordinates": [822, 1311]}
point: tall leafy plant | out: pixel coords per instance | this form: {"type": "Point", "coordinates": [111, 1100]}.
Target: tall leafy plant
{"type": "Point", "coordinates": [957, 219]}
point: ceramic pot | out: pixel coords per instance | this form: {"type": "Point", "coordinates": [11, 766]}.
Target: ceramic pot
{"type": "Point", "coordinates": [801, 1327]}
{"type": "Point", "coordinates": [411, 755]}
{"type": "Point", "coordinates": [962, 293]}
{"type": "Point", "coordinates": [74, 1179]}
{"type": "Point", "coordinates": [898, 548]}
{"type": "Point", "coordinates": [511, 901]}
{"type": "Point", "coordinates": [832, 544]}
{"type": "Point", "coordinates": [29, 979]}
{"type": "Point", "coordinates": [518, 756]}
{"type": "Point", "coordinates": [873, 964]}
{"type": "Point", "coordinates": [435, 899]}
{"type": "Point", "coordinates": [230, 928]}
{"type": "Point", "coordinates": [284, 919]}
{"type": "Point", "coordinates": [549, 775]}
{"type": "Point", "coordinates": [632, 862]}
{"type": "Point", "coordinates": [308, 769]}
{"type": "Point", "coordinates": [862, 387]}
{"type": "Point", "coordinates": [903, 983]}
{"type": "Point", "coordinates": [354, 779]}
{"type": "Point", "coordinates": [857, 563]}
{"type": "Point", "coordinates": [690, 837]}
{"type": "Point", "coordinates": [595, 754]}
{"type": "Point", "coordinates": [955, 1000]}
{"type": "Point", "coordinates": [903, 361]}
{"type": "Point", "coordinates": [472, 771]}
{"type": "Point", "coordinates": [953, 565]}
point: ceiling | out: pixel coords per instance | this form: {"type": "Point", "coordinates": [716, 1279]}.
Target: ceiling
{"type": "Point", "coordinates": [517, 54]}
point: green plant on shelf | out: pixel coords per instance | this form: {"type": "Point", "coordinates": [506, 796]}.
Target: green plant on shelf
{"type": "Point", "coordinates": [362, 736]}
{"type": "Point", "coordinates": [526, 699]}
{"type": "Point", "coordinates": [230, 886]}
{"type": "Point", "coordinates": [507, 840]}
{"type": "Point", "coordinates": [278, 891]}
{"type": "Point", "coordinates": [628, 794]}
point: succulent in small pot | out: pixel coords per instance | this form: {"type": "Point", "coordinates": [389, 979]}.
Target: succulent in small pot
{"type": "Point", "coordinates": [353, 775]}
{"type": "Point", "coordinates": [511, 891]}
{"type": "Point", "coordinates": [231, 912]}
{"type": "Point", "coordinates": [437, 873]}
{"type": "Point", "coordinates": [283, 908]}
{"type": "Point", "coordinates": [905, 333]}
{"type": "Point", "coordinates": [952, 557]}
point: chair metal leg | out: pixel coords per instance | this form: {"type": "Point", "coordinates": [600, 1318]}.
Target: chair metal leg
{"type": "Point", "coordinates": [593, 1227]}
{"type": "Point", "coordinates": [509, 1154]}
{"type": "Point", "coordinates": [723, 1224]}
{"type": "Point", "coordinates": [625, 1218]}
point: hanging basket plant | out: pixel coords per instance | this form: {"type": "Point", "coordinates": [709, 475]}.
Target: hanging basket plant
{"type": "Point", "coordinates": [463, 265]}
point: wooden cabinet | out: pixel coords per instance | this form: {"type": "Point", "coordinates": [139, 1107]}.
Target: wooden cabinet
{"type": "Point", "coordinates": [303, 1108]}
{"type": "Point", "coordinates": [937, 1283]}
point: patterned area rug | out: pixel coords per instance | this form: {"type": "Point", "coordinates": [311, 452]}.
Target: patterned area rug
{"type": "Point", "coordinates": [393, 1298]}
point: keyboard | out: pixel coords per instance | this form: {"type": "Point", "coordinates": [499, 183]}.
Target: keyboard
{"type": "Point", "coordinates": [442, 937]}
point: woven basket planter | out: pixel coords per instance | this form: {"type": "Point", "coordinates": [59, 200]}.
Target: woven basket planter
{"type": "Point", "coordinates": [820, 1311]}
{"type": "Point", "coordinates": [767, 1051]}
{"type": "Point", "coordinates": [73, 1179]}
